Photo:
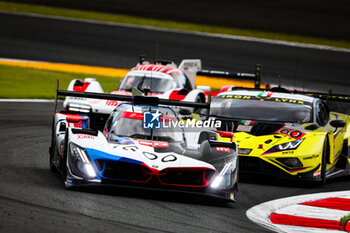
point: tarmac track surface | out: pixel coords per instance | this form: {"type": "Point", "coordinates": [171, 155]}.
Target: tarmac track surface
{"type": "Point", "coordinates": [46, 39]}
{"type": "Point", "coordinates": [32, 199]}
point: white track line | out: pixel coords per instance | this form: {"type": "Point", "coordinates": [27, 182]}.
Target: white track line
{"type": "Point", "coordinates": [207, 34]}
{"type": "Point", "coordinates": [296, 229]}
{"type": "Point", "coordinates": [23, 60]}
{"type": "Point", "coordinates": [27, 101]}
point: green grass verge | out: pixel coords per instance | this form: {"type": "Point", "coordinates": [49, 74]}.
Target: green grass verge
{"type": "Point", "coordinates": [345, 218]}
{"type": "Point", "coordinates": [26, 8]}
{"type": "Point", "coordinates": [19, 82]}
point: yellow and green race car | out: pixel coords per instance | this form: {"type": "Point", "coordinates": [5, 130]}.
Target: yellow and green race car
{"type": "Point", "coordinates": [293, 136]}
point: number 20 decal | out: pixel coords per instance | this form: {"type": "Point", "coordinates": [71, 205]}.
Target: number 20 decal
{"type": "Point", "coordinates": [293, 133]}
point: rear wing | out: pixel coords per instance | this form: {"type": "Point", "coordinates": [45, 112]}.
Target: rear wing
{"type": "Point", "coordinates": [325, 96]}
{"type": "Point", "coordinates": [137, 98]}
{"type": "Point", "coordinates": [193, 67]}
{"type": "Point", "coordinates": [330, 96]}
{"type": "Point", "coordinates": [130, 98]}
{"type": "Point", "coordinates": [256, 76]}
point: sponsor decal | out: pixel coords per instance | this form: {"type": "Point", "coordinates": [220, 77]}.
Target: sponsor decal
{"type": "Point", "coordinates": [311, 157]}
{"type": "Point", "coordinates": [77, 98]}
{"type": "Point", "coordinates": [293, 133]}
{"type": "Point", "coordinates": [265, 98]}
{"type": "Point", "coordinates": [265, 94]}
{"type": "Point", "coordinates": [287, 152]}
{"type": "Point", "coordinates": [83, 136]}
{"type": "Point", "coordinates": [247, 122]}
{"type": "Point", "coordinates": [244, 128]}
{"type": "Point", "coordinates": [154, 144]}
{"type": "Point", "coordinates": [223, 149]}
{"type": "Point", "coordinates": [112, 103]}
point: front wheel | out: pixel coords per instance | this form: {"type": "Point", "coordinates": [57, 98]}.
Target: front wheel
{"type": "Point", "coordinates": [65, 177]}
{"type": "Point", "coordinates": [52, 149]}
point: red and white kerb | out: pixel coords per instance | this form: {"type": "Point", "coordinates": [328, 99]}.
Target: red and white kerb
{"type": "Point", "coordinates": [320, 212]}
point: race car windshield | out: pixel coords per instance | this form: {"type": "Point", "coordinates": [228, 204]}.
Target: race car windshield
{"type": "Point", "coordinates": [261, 110]}
{"type": "Point", "coordinates": [153, 84]}
{"type": "Point", "coordinates": [129, 122]}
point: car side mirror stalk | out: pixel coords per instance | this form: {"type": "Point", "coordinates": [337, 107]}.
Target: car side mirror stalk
{"type": "Point", "coordinates": [312, 127]}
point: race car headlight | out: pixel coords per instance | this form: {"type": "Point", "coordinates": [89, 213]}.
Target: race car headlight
{"type": "Point", "coordinates": [79, 107]}
{"type": "Point", "coordinates": [243, 151]}
{"type": "Point", "coordinates": [224, 179]}
{"type": "Point", "coordinates": [290, 162]}
{"type": "Point", "coordinates": [286, 146]}
{"type": "Point", "coordinates": [80, 163]}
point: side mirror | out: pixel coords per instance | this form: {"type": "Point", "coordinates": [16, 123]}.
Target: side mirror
{"type": "Point", "coordinates": [337, 123]}
{"type": "Point", "coordinates": [207, 135]}
{"type": "Point", "coordinates": [63, 127]}
{"type": "Point", "coordinates": [312, 127]}
{"type": "Point", "coordinates": [225, 134]}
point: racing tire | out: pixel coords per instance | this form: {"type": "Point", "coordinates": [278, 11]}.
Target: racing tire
{"type": "Point", "coordinates": [199, 99]}
{"type": "Point", "coordinates": [64, 162]}
{"type": "Point", "coordinates": [52, 151]}
{"type": "Point", "coordinates": [324, 162]}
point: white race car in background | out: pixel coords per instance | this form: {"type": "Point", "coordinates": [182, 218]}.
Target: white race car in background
{"type": "Point", "coordinates": [162, 79]}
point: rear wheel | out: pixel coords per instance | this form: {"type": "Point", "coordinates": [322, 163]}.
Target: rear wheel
{"type": "Point", "coordinates": [52, 149]}
{"type": "Point", "coordinates": [199, 99]}
{"type": "Point", "coordinates": [53, 155]}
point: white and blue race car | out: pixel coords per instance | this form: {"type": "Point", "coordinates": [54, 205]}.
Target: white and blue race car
{"type": "Point", "coordinates": [136, 149]}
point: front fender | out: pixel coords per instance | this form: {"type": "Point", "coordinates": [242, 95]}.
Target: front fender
{"type": "Point", "coordinates": [91, 85]}
{"type": "Point", "coordinates": [192, 95]}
